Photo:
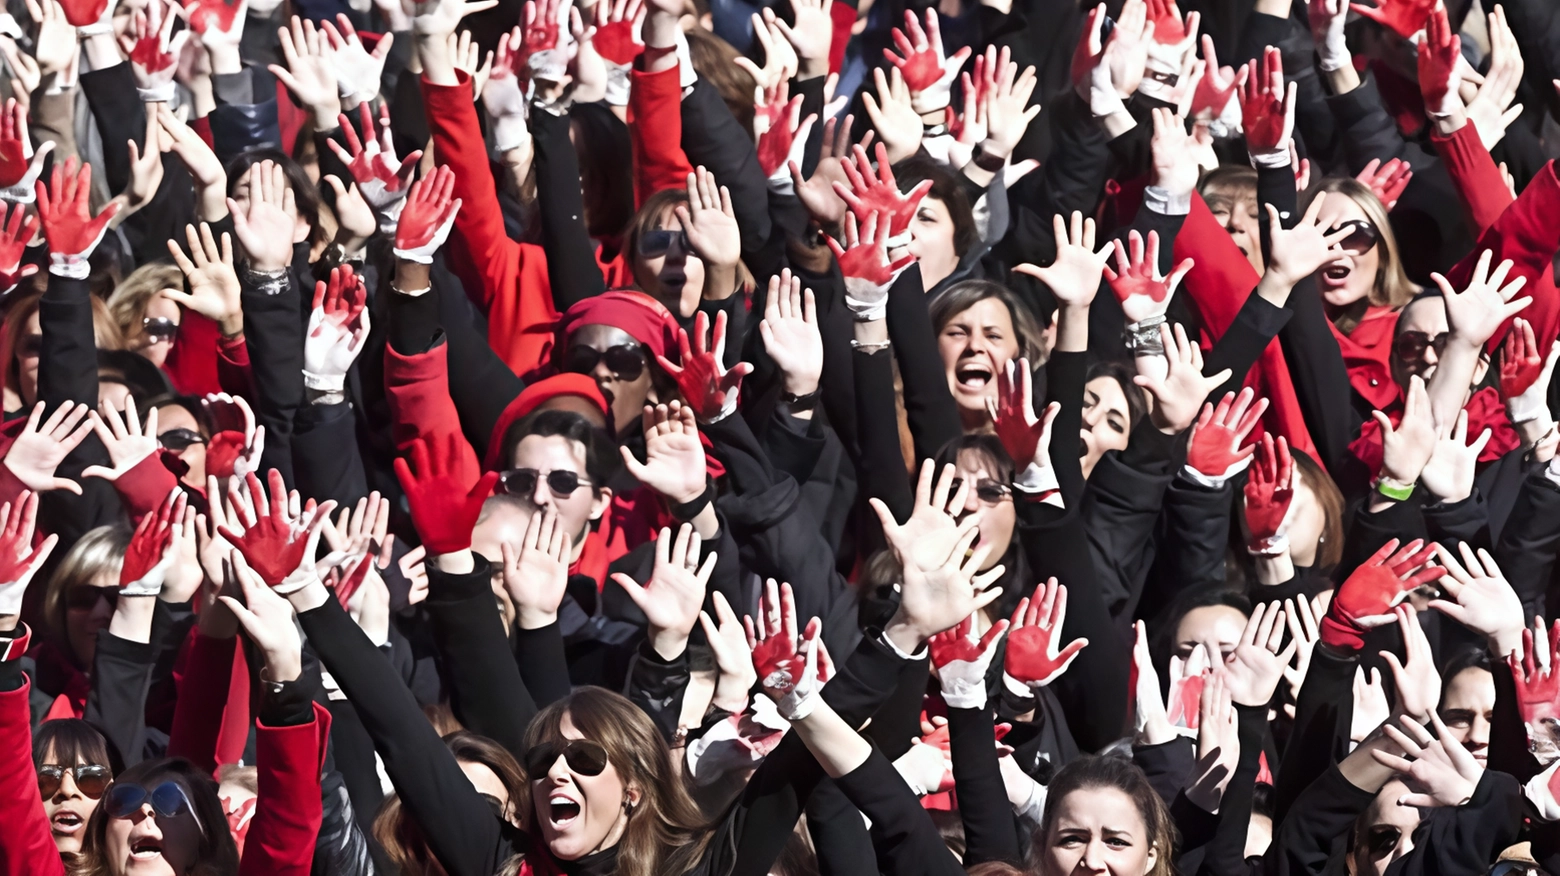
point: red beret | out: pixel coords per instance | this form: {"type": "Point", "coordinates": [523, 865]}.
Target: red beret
{"type": "Point", "coordinates": [533, 396]}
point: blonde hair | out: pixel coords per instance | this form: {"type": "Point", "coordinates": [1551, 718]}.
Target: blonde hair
{"type": "Point", "coordinates": [135, 293]}
{"type": "Point", "coordinates": [1392, 287]}
{"type": "Point", "coordinates": [99, 551]}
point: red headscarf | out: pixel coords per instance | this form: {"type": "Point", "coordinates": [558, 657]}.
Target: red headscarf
{"type": "Point", "coordinates": [645, 319]}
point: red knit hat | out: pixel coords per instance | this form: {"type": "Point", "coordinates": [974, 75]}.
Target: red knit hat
{"type": "Point", "coordinates": [533, 396]}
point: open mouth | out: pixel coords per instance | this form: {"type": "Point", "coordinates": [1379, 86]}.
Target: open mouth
{"type": "Point", "coordinates": [66, 822]}
{"type": "Point", "coordinates": [1337, 273]}
{"type": "Point", "coordinates": [673, 280]}
{"type": "Point", "coordinates": [562, 811]}
{"type": "Point", "coordinates": [146, 848]}
{"type": "Point", "coordinates": [974, 378]}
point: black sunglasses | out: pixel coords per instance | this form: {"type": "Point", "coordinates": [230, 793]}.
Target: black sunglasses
{"type": "Point", "coordinates": [987, 491]}
{"type": "Point", "coordinates": [91, 778]}
{"type": "Point", "coordinates": [86, 596]}
{"type": "Point", "coordinates": [168, 800]}
{"type": "Point", "coordinates": [522, 482]}
{"type": "Point", "coordinates": [657, 242]}
{"type": "Point", "coordinates": [1410, 345]}
{"type": "Point", "coordinates": [178, 439]}
{"type": "Point", "coordinates": [582, 755]}
{"type": "Point", "coordinates": [624, 360]}
{"type": "Point", "coordinates": [1362, 236]}
{"type": "Point", "coordinates": [159, 328]}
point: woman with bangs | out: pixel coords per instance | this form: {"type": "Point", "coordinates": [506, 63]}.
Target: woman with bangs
{"type": "Point", "coordinates": [74, 770]}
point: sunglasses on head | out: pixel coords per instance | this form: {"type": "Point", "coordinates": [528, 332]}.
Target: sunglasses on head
{"type": "Point", "coordinates": [159, 328]}
{"type": "Point", "coordinates": [1382, 839]}
{"type": "Point", "coordinates": [168, 800]}
{"type": "Point", "coordinates": [626, 361]}
{"type": "Point", "coordinates": [178, 439]}
{"type": "Point", "coordinates": [522, 482]}
{"type": "Point", "coordinates": [90, 778]}
{"type": "Point", "coordinates": [1362, 236]}
{"type": "Point", "coordinates": [86, 596]}
{"type": "Point", "coordinates": [1410, 345]}
{"type": "Point", "coordinates": [987, 491]}
{"type": "Point", "coordinates": [657, 242]}
{"type": "Point", "coordinates": [583, 756]}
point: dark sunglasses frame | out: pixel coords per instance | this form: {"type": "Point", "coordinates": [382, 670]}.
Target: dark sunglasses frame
{"type": "Point", "coordinates": [78, 596]}
{"type": "Point", "coordinates": [159, 327]}
{"type": "Point", "coordinates": [623, 360]}
{"type": "Point", "coordinates": [582, 755]}
{"type": "Point", "coordinates": [1410, 345]}
{"type": "Point", "coordinates": [168, 800]}
{"type": "Point", "coordinates": [1354, 244]}
{"type": "Point", "coordinates": [658, 241]}
{"type": "Point", "coordinates": [987, 491]}
{"type": "Point", "coordinates": [179, 439]}
{"type": "Point", "coordinates": [522, 482]}
{"type": "Point", "coordinates": [92, 779]}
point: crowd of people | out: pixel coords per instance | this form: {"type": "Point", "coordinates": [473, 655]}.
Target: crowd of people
{"type": "Point", "coordinates": [664, 437]}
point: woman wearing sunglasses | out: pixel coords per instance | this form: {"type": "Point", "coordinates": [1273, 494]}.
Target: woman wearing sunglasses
{"type": "Point", "coordinates": [73, 772]}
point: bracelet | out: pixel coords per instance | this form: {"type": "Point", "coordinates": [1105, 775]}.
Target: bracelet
{"type": "Point", "coordinates": [1143, 337]}
{"type": "Point", "coordinates": [686, 511]}
{"type": "Point", "coordinates": [1393, 489]}
{"type": "Point", "coordinates": [804, 402]}
{"type": "Point", "coordinates": [936, 130]}
{"type": "Point", "coordinates": [267, 282]}
{"type": "Point", "coordinates": [873, 347]}
{"type": "Point", "coordinates": [987, 162]}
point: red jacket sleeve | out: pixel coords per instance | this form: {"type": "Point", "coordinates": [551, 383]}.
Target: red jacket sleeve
{"type": "Point", "coordinates": [655, 130]}
{"type": "Point", "coordinates": [1480, 186]}
{"type": "Point", "coordinates": [26, 845]}
{"type": "Point", "coordinates": [192, 362]}
{"type": "Point", "coordinates": [288, 812]}
{"type": "Point", "coordinates": [417, 388]}
{"type": "Point", "coordinates": [507, 280]}
{"type": "Point", "coordinates": [144, 487]}
{"type": "Point", "coordinates": [1528, 233]}
{"type": "Point", "coordinates": [233, 372]}
{"type": "Point", "coordinates": [203, 694]}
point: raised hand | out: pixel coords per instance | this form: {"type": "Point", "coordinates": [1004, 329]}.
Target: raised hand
{"type": "Point", "coordinates": [1537, 677]}
{"type": "Point", "coordinates": [267, 619]}
{"type": "Point", "coordinates": [817, 191]}
{"type": "Point", "coordinates": [1218, 744]}
{"type": "Point", "coordinates": [127, 441]}
{"type": "Point", "coordinates": [276, 540]}
{"type": "Point", "coordinates": [1267, 107]}
{"type": "Point", "coordinates": [213, 282]}
{"type": "Point", "coordinates": [427, 217]}
{"type": "Point", "coordinates": [870, 193]}
{"type": "Point", "coordinates": [1490, 110]}
{"type": "Point", "coordinates": [791, 669]}
{"type": "Point", "coordinates": [1074, 276]}
{"type": "Point", "coordinates": [19, 560]}
{"type": "Point", "coordinates": [1216, 89]}
{"type": "Point", "coordinates": [338, 329]}
{"type": "Point", "coordinates": [1172, 48]}
{"type": "Point", "coordinates": [782, 132]}
{"type": "Point", "coordinates": [1477, 312]}
{"type": "Point", "coordinates": [504, 94]}
{"type": "Point", "coordinates": [1256, 666]}
{"type": "Point", "coordinates": [83, 13]}
{"type": "Point", "coordinates": [961, 662]}
{"type": "Point", "coordinates": [1368, 596]}
{"type": "Point", "coordinates": [1180, 393]}
{"type": "Point", "coordinates": [1025, 436]}
{"type": "Point", "coordinates": [1439, 766]}
{"type": "Point", "coordinates": [1033, 659]}
{"type": "Point", "coordinates": [383, 179]}
{"type": "Point", "coordinates": [1525, 374]}
{"type": "Point", "coordinates": [1215, 451]}
{"type": "Point", "coordinates": [618, 41]}
{"type": "Point", "coordinates": [1417, 682]}
{"type": "Point", "coordinates": [69, 227]}
{"type": "Point", "coordinates": [926, 69]}
{"type": "Point", "coordinates": [236, 443]}
{"type": "Point", "coordinates": [1482, 599]}
{"type": "Point", "coordinates": [1091, 66]}
{"type": "Point", "coordinates": [152, 47]}
{"type": "Point", "coordinates": [728, 641]}
{"type": "Point", "coordinates": [1270, 491]}
{"type": "Point", "coordinates": [790, 332]}
{"type": "Point", "coordinates": [1407, 447]}
{"type": "Point", "coordinates": [1387, 181]}
{"type": "Point", "coordinates": [1300, 616]}
{"type": "Point", "coordinates": [707, 386]}
{"type": "Point", "coordinates": [205, 16]}
{"type": "Point", "coordinates": [865, 265]}
{"type": "Point", "coordinates": [811, 36]}
{"type": "Point", "coordinates": [1149, 720]}
{"type": "Point", "coordinates": [711, 226]}
{"type": "Point", "coordinates": [674, 463]}
{"type": "Point", "coordinates": [265, 230]}
{"type": "Point", "coordinates": [1299, 252]}
{"type": "Point", "coordinates": [1141, 289]}
{"type": "Point", "coordinates": [438, 18]}
{"type": "Point", "coordinates": [445, 488]}
{"type": "Point", "coordinates": [537, 574]}
{"type": "Point", "coordinates": [1127, 53]}
{"type": "Point", "coordinates": [1404, 17]}
{"type": "Point", "coordinates": [1440, 63]}
{"type": "Point", "coordinates": [152, 549]}
{"type": "Point", "coordinates": [357, 69]}
{"type": "Point", "coordinates": [1188, 678]}
{"type": "Point", "coordinates": [927, 765]}
{"type": "Point", "coordinates": [897, 125]}
{"type": "Point", "coordinates": [1449, 474]}
{"type": "Point", "coordinates": [19, 165]}
{"type": "Point", "coordinates": [42, 445]}
{"type": "Point", "coordinates": [309, 74]}
{"type": "Point", "coordinates": [780, 61]}
{"type": "Point", "coordinates": [671, 599]}
{"type": "Point", "coordinates": [1371, 708]}
{"type": "Point", "coordinates": [548, 43]}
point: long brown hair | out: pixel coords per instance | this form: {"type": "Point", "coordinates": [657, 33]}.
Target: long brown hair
{"type": "Point", "coordinates": [1122, 775]}
{"type": "Point", "coordinates": [666, 835]}
{"type": "Point", "coordinates": [399, 834]}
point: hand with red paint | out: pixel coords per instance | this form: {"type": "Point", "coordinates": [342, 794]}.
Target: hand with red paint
{"type": "Point", "coordinates": [19, 560]}
{"type": "Point", "coordinates": [445, 488]}
{"type": "Point", "coordinates": [1267, 109]}
{"type": "Point", "coordinates": [618, 40]}
{"type": "Point", "coordinates": [152, 549]}
{"type": "Point", "coordinates": [927, 70]}
{"type": "Point", "coordinates": [1091, 66]}
{"type": "Point", "coordinates": [961, 661]}
{"type": "Point", "coordinates": [1387, 181]}
{"type": "Point", "coordinates": [19, 165]}
{"type": "Point", "coordinates": [1270, 493]}
{"type": "Point", "coordinates": [1367, 598]}
{"type": "Point", "coordinates": [1188, 677]}
{"type": "Point", "coordinates": [69, 227]}
{"type": "Point", "coordinates": [1215, 92]}
{"type": "Point", "coordinates": [383, 179]}
{"type": "Point", "coordinates": [16, 231]}
{"type": "Point", "coordinates": [1537, 675]}
{"type": "Point", "coordinates": [1440, 63]}
{"type": "Point", "coordinates": [152, 48]}
{"type": "Point", "coordinates": [782, 133]}
{"type": "Point", "coordinates": [872, 192]}
{"type": "Point", "coordinates": [1404, 17]}
{"type": "Point", "coordinates": [427, 217]}
{"type": "Point", "coordinates": [1024, 435]}
{"type": "Point", "coordinates": [1525, 374]}
{"type": "Point", "coordinates": [1171, 44]}
{"type": "Point", "coordinates": [338, 329]}
{"type": "Point", "coordinates": [791, 670]}
{"type": "Point", "coordinates": [215, 17]}
{"type": "Point", "coordinates": [707, 386]}
{"type": "Point", "coordinates": [274, 535]}
{"type": "Point", "coordinates": [236, 442]}
{"type": "Point", "coordinates": [85, 13]}
{"type": "Point", "coordinates": [1033, 659]}
{"type": "Point", "coordinates": [504, 94]}
{"type": "Point", "coordinates": [865, 265]}
{"type": "Point", "coordinates": [1142, 290]}
{"type": "Point", "coordinates": [1253, 670]}
{"type": "Point", "coordinates": [1216, 452]}
{"type": "Point", "coordinates": [927, 765]}
{"type": "Point", "coordinates": [549, 46]}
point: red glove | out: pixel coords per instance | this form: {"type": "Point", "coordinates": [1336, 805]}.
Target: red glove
{"type": "Point", "coordinates": [1269, 492]}
{"type": "Point", "coordinates": [1033, 659]}
{"type": "Point", "coordinates": [445, 488]}
{"type": "Point", "coordinates": [1387, 181]}
{"type": "Point", "coordinates": [427, 217]}
{"type": "Point", "coordinates": [81, 13]}
{"type": "Point", "coordinates": [706, 385]}
{"type": "Point", "coordinates": [870, 192]}
{"type": "Point", "coordinates": [1214, 451]}
{"type": "Point", "coordinates": [68, 225]}
{"type": "Point", "coordinates": [1520, 362]}
{"type": "Point", "coordinates": [277, 545]}
{"type": "Point", "coordinates": [152, 548]}
{"type": "Point", "coordinates": [1538, 689]}
{"type": "Point", "coordinates": [1366, 599]}
{"type": "Point", "coordinates": [1439, 53]}
{"type": "Point", "coordinates": [1136, 281]}
{"type": "Point", "coordinates": [19, 560]}
{"type": "Point", "coordinates": [18, 230]}
{"type": "Point", "coordinates": [1405, 17]}
{"type": "Point", "coordinates": [1264, 104]}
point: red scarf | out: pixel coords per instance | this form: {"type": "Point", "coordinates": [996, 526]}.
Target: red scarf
{"type": "Point", "coordinates": [1485, 411]}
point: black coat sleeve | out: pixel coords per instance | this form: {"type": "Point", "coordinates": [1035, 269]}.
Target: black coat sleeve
{"type": "Point", "coordinates": [572, 271]}
{"type": "Point", "coordinates": [989, 830]}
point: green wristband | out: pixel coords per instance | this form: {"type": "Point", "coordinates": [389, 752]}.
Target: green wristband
{"type": "Point", "coordinates": [1395, 491]}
